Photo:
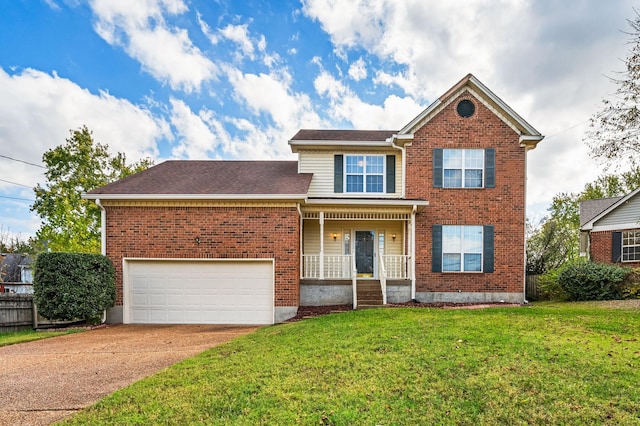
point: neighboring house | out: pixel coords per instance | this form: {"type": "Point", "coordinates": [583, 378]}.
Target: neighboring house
{"type": "Point", "coordinates": [434, 211]}
{"type": "Point", "coordinates": [610, 229]}
{"type": "Point", "coordinates": [16, 275]}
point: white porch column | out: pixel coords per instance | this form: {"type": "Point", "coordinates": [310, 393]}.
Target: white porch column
{"type": "Point", "coordinates": [321, 245]}
{"type": "Point", "coordinates": [413, 252]}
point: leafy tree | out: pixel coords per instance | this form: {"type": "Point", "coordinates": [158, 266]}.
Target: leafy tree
{"type": "Point", "coordinates": [15, 244]}
{"type": "Point", "coordinates": [615, 130]}
{"type": "Point", "coordinates": [71, 223]}
{"type": "Point", "coordinates": [549, 246]}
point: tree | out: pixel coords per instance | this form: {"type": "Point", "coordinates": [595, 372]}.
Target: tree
{"type": "Point", "coordinates": [615, 130]}
{"type": "Point", "coordinates": [70, 223]}
{"type": "Point", "coordinates": [12, 243]}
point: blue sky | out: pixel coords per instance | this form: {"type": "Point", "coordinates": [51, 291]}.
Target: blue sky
{"type": "Point", "coordinates": [195, 79]}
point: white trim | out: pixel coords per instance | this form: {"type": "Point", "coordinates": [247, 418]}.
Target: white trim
{"type": "Point", "coordinates": [239, 197]}
{"type": "Point", "coordinates": [330, 143]}
{"type": "Point", "coordinates": [618, 227]}
{"type": "Point", "coordinates": [103, 228]}
{"type": "Point", "coordinates": [364, 175]}
{"type": "Point", "coordinates": [378, 202]}
{"type": "Point", "coordinates": [126, 285]}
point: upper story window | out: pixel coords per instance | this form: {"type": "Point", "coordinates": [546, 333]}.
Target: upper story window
{"type": "Point", "coordinates": [464, 168]}
{"type": "Point", "coordinates": [364, 173]}
{"type": "Point", "coordinates": [631, 246]}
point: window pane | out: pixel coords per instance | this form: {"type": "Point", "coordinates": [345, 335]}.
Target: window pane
{"type": "Point", "coordinates": [472, 239]}
{"type": "Point", "coordinates": [452, 178]}
{"type": "Point", "coordinates": [451, 239]}
{"type": "Point", "coordinates": [452, 158]}
{"type": "Point", "coordinates": [354, 183]}
{"type": "Point", "coordinates": [473, 179]}
{"type": "Point", "coordinates": [374, 184]}
{"type": "Point", "coordinates": [472, 262]}
{"type": "Point", "coordinates": [474, 158]}
{"type": "Point", "coordinates": [450, 262]}
{"type": "Point", "coordinates": [375, 164]}
{"type": "Point", "coordinates": [355, 164]}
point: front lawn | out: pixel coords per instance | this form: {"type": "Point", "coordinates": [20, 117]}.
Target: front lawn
{"type": "Point", "coordinates": [29, 335]}
{"type": "Point", "coordinates": [542, 364]}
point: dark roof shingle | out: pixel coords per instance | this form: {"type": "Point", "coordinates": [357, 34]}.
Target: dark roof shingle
{"type": "Point", "coordinates": [343, 135]}
{"type": "Point", "coordinates": [214, 177]}
{"type": "Point", "coordinates": [592, 208]}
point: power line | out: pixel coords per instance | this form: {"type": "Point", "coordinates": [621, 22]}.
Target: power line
{"type": "Point", "coordinates": [15, 183]}
{"type": "Point", "coordinates": [17, 198]}
{"type": "Point", "coordinates": [22, 161]}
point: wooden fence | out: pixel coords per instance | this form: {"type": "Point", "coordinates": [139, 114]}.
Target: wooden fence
{"type": "Point", "coordinates": [16, 312]}
{"type": "Point", "coordinates": [531, 288]}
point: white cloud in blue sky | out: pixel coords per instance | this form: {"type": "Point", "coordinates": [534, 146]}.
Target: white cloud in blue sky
{"type": "Point", "coordinates": [226, 79]}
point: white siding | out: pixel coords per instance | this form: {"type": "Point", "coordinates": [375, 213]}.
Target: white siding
{"type": "Point", "coordinates": [320, 163]}
{"type": "Point", "coordinates": [623, 215]}
{"type": "Point", "coordinates": [331, 247]}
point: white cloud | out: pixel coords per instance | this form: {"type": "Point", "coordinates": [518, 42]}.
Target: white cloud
{"type": "Point", "coordinates": [358, 70]}
{"type": "Point", "coordinates": [239, 35]}
{"type": "Point", "coordinates": [167, 53]}
{"type": "Point", "coordinates": [196, 140]}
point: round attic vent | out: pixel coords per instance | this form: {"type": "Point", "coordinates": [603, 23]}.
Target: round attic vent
{"type": "Point", "coordinates": [466, 109]}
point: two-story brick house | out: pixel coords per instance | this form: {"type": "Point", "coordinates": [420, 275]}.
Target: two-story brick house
{"type": "Point", "coordinates": [434, 211]}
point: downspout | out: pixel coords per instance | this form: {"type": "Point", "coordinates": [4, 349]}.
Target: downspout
{"type": "Point", "coordinates": [404, 164]}
{"type": "Point", "coordinates": [301, 255]}
{"type": "Point", "coordinates": [526, 178]}
{"type": "Point", "coordinates": [103, 242]}
{"type": "Point", "coordinates": [413, 252]}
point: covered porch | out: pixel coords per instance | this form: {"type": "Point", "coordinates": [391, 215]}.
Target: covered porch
{"type": "Point", "coordinates": [343, 245]}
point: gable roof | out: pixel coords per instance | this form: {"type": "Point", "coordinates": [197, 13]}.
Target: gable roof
{"type": "Point", "coordinates": [529, 136]}
{"type": "Point", "coordinates": [588, 225]}
{"type": "Point", "coordinates": [591, 208]}
{"type": "Point", "coordinates": [322, 137]}
{"type": "Point", "coordinates": [211, 179]}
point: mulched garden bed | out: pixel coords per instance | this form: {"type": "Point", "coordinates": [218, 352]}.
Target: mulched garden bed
{"type": "Point", "coordinates": [316, 311]}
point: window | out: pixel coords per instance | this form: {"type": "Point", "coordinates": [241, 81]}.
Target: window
{"type": "Point", "coordinates": [364, 173]}
{"type": "Point", "coordinates": [464, 168]}
{"type": "Point", "coordinates": [631, 246]}
{"type": "Point", "coordinates": [460, 248]}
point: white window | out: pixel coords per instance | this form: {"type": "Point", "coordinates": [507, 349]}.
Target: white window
{"type": "Point", "coordinates": [461, 248]}
{"type": "Point", "coordinates": [364, 173]}
{"type": "Point", "coordinates": [630, 246]}
{"type": "Point", "coordinates": [462, 168]}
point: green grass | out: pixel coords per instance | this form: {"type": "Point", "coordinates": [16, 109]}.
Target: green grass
{"type": "Point", "coordinates": [543, 364]}
{"type": "Point", "coordinates": [29, 335]}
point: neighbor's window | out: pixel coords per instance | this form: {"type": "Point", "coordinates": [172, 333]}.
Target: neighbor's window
{"type": "Point", "coordinates": [364, 173]}
{"type": "Point", "coordinates": [462, 168]}
{"type": "Point", "coordinates": [630, 246]}
{"type": "Point", "coordinates": [461, 248]}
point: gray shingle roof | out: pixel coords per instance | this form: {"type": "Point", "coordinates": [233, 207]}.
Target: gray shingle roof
{"type": "Point", "coordinates": [214, 177]}
{"type": "Point", "coordinates": [592, 208]}
{"type": "Point", "coordinates": [343, 135]}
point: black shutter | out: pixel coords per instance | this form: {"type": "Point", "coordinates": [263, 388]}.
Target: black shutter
{"type": "Point", "coordinates": [391, 174]}
{"type": "Point", "coordinates": [616, 247]}
{"type": "Point", "coordinates": [437, 167]}
{"type": "Point", "coordinates": [487, 254]}
{"type": "Point", "coordinates": [338, 174]}
{"type": "Point", "coordinates": [490, 168]}
{"type": "Point", "coordinates": [436, 249]}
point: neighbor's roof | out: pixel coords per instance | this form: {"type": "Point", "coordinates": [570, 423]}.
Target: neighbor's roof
{"type": "Point", "coordinates": [204, 178]}
{"type": "Point", "coordinates": [592, 208]}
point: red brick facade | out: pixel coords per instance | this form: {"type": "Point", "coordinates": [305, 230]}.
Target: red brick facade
{"type": "Point", "coordinates": [502, 206]}
{"type": "Point", "coordinates": [222, 232]}
{"type": "Point", "coordinates": [600, 248]}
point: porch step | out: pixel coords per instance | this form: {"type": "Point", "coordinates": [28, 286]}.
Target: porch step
{"type": "Point", "coordinates": [369, 294]}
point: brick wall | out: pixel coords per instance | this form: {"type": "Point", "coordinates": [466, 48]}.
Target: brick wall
{"type": "Point", "coordinates": [600, 249]}
{"type": "Point", "coordinates": [502, 206]}
{"type": "Point", "coordinates": [223, 232]}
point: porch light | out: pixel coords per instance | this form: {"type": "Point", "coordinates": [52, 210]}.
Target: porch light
{"type": "Point", "coordinates": [335, 236]}
{"type": "Point", "coordinates": [393, 237]}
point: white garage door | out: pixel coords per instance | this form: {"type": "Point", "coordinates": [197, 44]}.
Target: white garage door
{"type": "Point", "coordinates": [198, 292]}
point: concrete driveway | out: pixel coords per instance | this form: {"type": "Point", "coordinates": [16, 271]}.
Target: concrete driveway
{"type": "Point", "coordinates": [47, 380]}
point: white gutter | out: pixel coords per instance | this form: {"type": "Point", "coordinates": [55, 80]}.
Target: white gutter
{"type": "Point", "coordinates": [413, 252]}
{"type": "Point", "coordinates": [301, 254]}
{"type": "Point", "coordinates": [234, 197]}
{"type": "Point", "coordinates": [378, 202]}
{"type": "Point", "coordinates": [103, 228]}
{"type": "Point", "coordinates": [404, 164]}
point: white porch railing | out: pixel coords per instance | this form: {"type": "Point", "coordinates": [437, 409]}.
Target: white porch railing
{"type": "Point", "coordinates": [354, 281]}
{"type": "Point", "coordinates": [339, 266]}
{"type": "Point", "coordinates": [397, 266]}
{"type": "Point", "coordinates": [382, 275]}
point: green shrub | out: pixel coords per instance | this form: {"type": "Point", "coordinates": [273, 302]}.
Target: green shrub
{"type": "Point", "coordinates": [592, 281]}
{"type": "Point", "coordinates": [549, 287]}
{"type": "Point", "coordinates": [631, 289]}
{"type": "Point", "coordinates": [71, 286]}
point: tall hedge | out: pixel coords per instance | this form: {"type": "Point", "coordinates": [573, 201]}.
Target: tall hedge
{"type": "Point", "coordinates": [71, 286]}
{"type": "Point", "coordinates": [593, 281]}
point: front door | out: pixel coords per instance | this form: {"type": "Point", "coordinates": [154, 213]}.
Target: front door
{"type": "Point", "coordinates": [364, 253]}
